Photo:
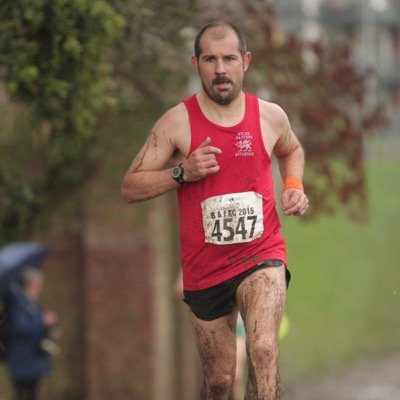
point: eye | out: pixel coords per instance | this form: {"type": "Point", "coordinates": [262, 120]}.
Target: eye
{"type": "Point", "coordinates": [230, 58]}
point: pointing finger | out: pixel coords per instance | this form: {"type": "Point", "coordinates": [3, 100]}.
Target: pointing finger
{"type": "Point", "coordinates": [215, 150]}
{"type": "Point", "coordinates": [205, 146]}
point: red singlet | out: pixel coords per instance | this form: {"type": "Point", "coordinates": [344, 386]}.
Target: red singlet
{"type": "Point", "coordinates": [228, 221]}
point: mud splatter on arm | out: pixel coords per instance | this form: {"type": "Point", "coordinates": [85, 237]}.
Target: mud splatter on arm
{"type": "Point", "coordinates": [149, 175]}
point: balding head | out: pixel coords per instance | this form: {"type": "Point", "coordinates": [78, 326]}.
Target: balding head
{"type": "Point", "coordinates": [217, 31]}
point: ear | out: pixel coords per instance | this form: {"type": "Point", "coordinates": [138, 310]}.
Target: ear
{"type": "Point", "coordinates": [195, 64]}
{"type": "Point", "coordinates": [246, 60]}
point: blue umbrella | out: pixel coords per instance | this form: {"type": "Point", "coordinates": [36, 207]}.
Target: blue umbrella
{"type": "Point", "coordinates": [16, 256]}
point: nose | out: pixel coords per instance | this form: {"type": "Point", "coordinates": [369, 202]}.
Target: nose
{"type": "Point", "coordinates": [220, 66]}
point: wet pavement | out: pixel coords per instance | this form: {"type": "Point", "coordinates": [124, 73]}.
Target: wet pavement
{"type": "Point", "coordinates": [368, 380]}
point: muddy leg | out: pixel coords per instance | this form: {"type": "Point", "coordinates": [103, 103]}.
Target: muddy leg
{"type": "Point", "coordinates": [261, 298]}
{"type": "Point", "coordinates": [216, 342]}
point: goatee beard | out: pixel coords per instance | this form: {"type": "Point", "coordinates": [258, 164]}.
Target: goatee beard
{"type": "Point", "coordinates": [218, 97]}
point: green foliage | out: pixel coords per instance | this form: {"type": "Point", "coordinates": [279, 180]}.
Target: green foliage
{"type": "Point", "coordinates": [151, 57]}
{"type": "Point", "coordinates": [52, 58]}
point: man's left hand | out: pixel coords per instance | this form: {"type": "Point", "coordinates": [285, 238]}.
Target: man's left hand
{"type": "Point", "coordinates": [294, 202]}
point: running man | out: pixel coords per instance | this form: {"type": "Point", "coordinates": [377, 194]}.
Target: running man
{"type": "Point", "coordinates": [233, 254]}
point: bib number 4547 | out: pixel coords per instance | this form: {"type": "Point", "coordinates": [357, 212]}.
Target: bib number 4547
{"type": "Point", "coordinates": [233, 218]}
{"type": "Point", "coordinates": [225, 229]}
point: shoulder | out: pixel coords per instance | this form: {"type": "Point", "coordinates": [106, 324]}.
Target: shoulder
{"type": "Point", "coordinates": [274, 122]}
{"type": "Point", "coordinates": [173, 119]}
{"type": "Point", "coordinates": [171, 132]}
{"type": "Point", "coordinates": [176, 126]}
{"type": "Point", "coordinates": [275, 127]}
{"type": "Point", "coordinates": [273, 114]}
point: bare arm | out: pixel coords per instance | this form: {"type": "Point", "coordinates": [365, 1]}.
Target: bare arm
{"type": "Point", "coordinates": [290, 156]}
{"type": "Point", "coordinates": [149, 174]}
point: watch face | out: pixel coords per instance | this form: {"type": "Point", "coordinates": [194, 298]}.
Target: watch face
{"type": "Point", "coordinates": [176, 172]}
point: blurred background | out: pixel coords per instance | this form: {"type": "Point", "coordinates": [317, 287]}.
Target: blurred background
{"type": "Point", "coordinates": [81, 84]}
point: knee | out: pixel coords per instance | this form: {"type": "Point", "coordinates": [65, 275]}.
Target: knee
{"type": "Point", "coordinates": [219, 384]}
{"type": "Point", "coordinates": [264, 352]}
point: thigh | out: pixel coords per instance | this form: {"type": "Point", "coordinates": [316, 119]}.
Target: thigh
{"type": "Point", "coordinates": [216, 342]}
{"type": "Point", "coordinates": [261, 299]}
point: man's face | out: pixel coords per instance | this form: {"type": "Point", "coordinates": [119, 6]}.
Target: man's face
{"type": "Point", "coordinates": [221, 66]}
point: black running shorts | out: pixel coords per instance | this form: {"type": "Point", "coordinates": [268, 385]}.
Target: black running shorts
{"type": "Point", "coordinates": [216, 301]}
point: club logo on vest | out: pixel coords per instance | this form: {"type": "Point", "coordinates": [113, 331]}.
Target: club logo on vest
{"type": "Point", "coordinates": [244, 142]}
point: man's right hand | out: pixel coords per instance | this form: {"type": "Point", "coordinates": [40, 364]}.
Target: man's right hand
{"type": "Point", "coordinates": [201, 162]}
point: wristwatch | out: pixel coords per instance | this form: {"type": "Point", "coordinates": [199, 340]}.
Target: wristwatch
{"type": "Point", "coordinates": [177, 174]}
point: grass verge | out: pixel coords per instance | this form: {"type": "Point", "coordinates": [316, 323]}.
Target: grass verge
{"type": "Point", "coordinates": [344, 300]}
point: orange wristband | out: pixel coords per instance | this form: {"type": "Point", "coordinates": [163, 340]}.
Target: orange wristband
{"type": "Point", "coordinates": [293, 183]}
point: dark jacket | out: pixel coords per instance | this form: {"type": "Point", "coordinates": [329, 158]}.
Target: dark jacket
{"type": "Point", "coordinates": [25, 332]}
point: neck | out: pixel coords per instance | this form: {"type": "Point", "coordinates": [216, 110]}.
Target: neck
{"type": "Point", "coordinates": [225, 115]}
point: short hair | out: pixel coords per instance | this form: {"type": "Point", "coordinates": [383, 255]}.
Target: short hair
{"type": "Point", "coordinates": [220, 24]}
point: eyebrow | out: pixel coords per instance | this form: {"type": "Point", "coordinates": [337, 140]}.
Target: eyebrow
{"type": "Point", "coordinates": [234, 55]}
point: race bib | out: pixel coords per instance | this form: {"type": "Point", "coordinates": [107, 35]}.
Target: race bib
{"type": "Point", "coordinates": [233, 218]}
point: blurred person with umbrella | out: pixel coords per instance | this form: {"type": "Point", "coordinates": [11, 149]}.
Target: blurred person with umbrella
{"type": "Point", "coordinates": [16, 256]}
{"type": "Point", "coordinates": [27, 328]}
